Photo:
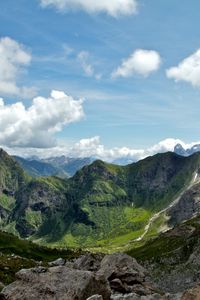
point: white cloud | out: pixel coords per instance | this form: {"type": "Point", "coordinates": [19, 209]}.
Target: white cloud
{"type": "Point", "coordinates": [36, 125]}
{"type": "Point", "coordinates": [92, 147]}
{"type": "Point", "coordinates": [13, 58]}
{"type": "Point", "coordinates": [142, 62]}
{"type": "Point", "coordinates": [188, 70]}
{"type": "Point", "coordinates": [83, 57]}
{"type": "Point", "coordinates": [114, 8]}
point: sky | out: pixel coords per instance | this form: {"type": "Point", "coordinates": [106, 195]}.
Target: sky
{"type": "Point", "coordinates": [117, 78]}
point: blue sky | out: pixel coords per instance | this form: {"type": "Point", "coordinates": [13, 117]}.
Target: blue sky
{"type": "Point", "coordinates": [76, 51]}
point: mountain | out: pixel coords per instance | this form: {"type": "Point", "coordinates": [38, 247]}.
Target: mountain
{"type": "Point", "coordinates": [36, 168]}
{"type": "Point", "coordinates": [173, 258]}
{"type": "Point", "coordinates": [178, 149]}
{"type": "Point", "coordinates": [103, 205]}
{"type": "Point", "coordinates": [61, 166]}
{"type": "Point", "coordinates": [68, 165]}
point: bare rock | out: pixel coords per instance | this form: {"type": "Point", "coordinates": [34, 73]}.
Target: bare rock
{"type": "Point", "coordinates": [192, 294]}
{"type": "Point", "coordinates": [123, 273]}
{"type": "Point", "coordinates": [95, 297]}
{"type": "Point", "coordinates": [56, 283]}
{"type": "Point", "coordinates": [88, 262]}
{"type": "Point", "coordinates": [122, 265]}
{"type": "Point", "coordinates": [57, 262]}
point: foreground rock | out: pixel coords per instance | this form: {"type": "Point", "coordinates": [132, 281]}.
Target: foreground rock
{"type": "Point", "coordinates": [90, 277]}
{"type": "Point", "coordinates": [192, 294]}
{"type": "Point", "coordinates": [56, 283]}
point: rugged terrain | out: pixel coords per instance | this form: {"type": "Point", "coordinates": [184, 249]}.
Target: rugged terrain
{"type": "Point", "coordinates": [95, 277]}
{"type": "Point", "coordinates": [148, 209]}
{"type": "Point", "coordinates": [103, 206]}
{"type": "Point", "coordinates": [91, 277]}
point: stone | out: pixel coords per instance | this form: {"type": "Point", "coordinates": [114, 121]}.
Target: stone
{"type": "Point", "coordinates": [57, 262]}
{"type": "Point", "coordinates": [121, 265]}
{"type": "Point", "coordinates": [192, 294]}
{"type": "Point", "coordinates": [131, 296]}
{"type": "Point", "coordinates": [95, 297]}
{"type": "Point", "coordinates": [118, 286]}
{"type": "Point", "coordinates": [56, 283]}
{"type": "Point", "coordinates": [88, 262]}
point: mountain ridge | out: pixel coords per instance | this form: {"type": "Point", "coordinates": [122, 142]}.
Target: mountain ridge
{"type": "Point", "coordinates": [102, 205]}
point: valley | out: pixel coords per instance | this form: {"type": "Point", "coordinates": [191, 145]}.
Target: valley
{"type": "Point", "coordinates": [139, 209]}
{"type": "Point", "coordinates": [103, 207]}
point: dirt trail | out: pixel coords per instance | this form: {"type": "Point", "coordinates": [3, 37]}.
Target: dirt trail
{"type": "Point", "coordinates": [194, 180]}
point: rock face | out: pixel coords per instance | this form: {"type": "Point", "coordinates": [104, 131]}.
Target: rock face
{"type": "Point", "coordinates": [115, 277]}
{"type": "Point", "coordinates": [187, 207]}
{"type": "Point", "coordinates": [192, 294]}
{"type": "Point", "coordinates": [56, 283]}
{"type": "Point", "coordinates": [124, 274]}
{"type": "Point", "coordinates": [90, 205]}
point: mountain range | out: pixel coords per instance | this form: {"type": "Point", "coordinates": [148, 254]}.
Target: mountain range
{"type": "Point", "coordinates": [103, 206]}
{"type": "Point", "coordinates": [64, 167]}
{"type": "Point", "coordinates": [61, 166]}
{"type": "Point", "coordinates": [179, 149]}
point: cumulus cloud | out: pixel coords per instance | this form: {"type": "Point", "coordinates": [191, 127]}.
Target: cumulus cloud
{"type": "Point", "coordinates": [141, 62]}
{"type": "Point", "coordinates": [36, 125]}
{"type": "Point", "coordinates": [188, 70]}
{"type": "Point", "coordinates": [114, 8]}
{"type": "Point", "coordinates": [92, 147]}
{"type": "Point", "coordinates": [13, 59]}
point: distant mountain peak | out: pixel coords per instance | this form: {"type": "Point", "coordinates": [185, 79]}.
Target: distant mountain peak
{"type": "Point", "coordinates": [180, 150]}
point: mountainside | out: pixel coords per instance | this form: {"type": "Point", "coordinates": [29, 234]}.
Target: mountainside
{"type": "Point", "coordinates": [68, 165]}
{"type": "Point", "coordinates": [101, 206]}
{"type": "Point", "coordinates": [36, 168]}
{"type": "Point", "coordinates": [173, 258]}
{"type": "Point", "coordinates": [61, 166]}
{"type": "Point", "coordinates": [16, 254]}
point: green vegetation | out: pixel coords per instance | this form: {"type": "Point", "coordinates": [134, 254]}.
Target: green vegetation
{"type": "Point", "coordinates": [118, 225]}
{"type": "Point", "coordinates": [7, 202]}
{"type": "Point", "coordinates": [177, 244]}
{"type": "Point", "coordinates": [103, 206]}
{"type": "Point", "coordinates": [34, 218]}
{"type": "Point", "coordinates": [16, 254]}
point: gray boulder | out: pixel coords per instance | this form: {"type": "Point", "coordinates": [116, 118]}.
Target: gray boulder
{"type": "Point", "coordinates": [121, 265]}
{"type": "Point", "coordinates": [56, 283]}
{"type": "Point", "coordinates": [95, 297]}
{"type": "Point", "coordinates": [124, 274]}
{"type": "Point", "coordinates": [57, 262]}
{"type": "Point", "coordinates": [88, 262]}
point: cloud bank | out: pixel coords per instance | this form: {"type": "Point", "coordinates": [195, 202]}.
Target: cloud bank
{"type": "Point", "coordinates": [141, 62]}
{"type": "Point", "coordinates": [13, 59]}
{"type": "Point", "coordinates": [188, 70]}
{"type": "Point", "coordinates": [36, 125]}
{"type": "Point", "coordinates": [92, 147]}
{"type": "Point", "coordinates": [113, 8]}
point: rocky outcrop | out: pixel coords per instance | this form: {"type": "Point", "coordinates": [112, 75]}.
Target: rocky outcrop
{"type": "Point", "coordinates": [192, 294]}
{"type": "Point", "coordinates": [115, 277]}
{"type": "Point", "coordinates": [187, 207]}
{"type": "Point", "coordinates": [56, 283]}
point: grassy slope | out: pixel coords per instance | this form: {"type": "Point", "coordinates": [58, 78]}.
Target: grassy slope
{"type": "Point", "coordinates": [121, 200]}
{"type": "Point", "coordinates": [103, 205]}
{"type": "Point", "coordinates": [16, 254]}
{"type": "Point", "coordinates": [178, 242]}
